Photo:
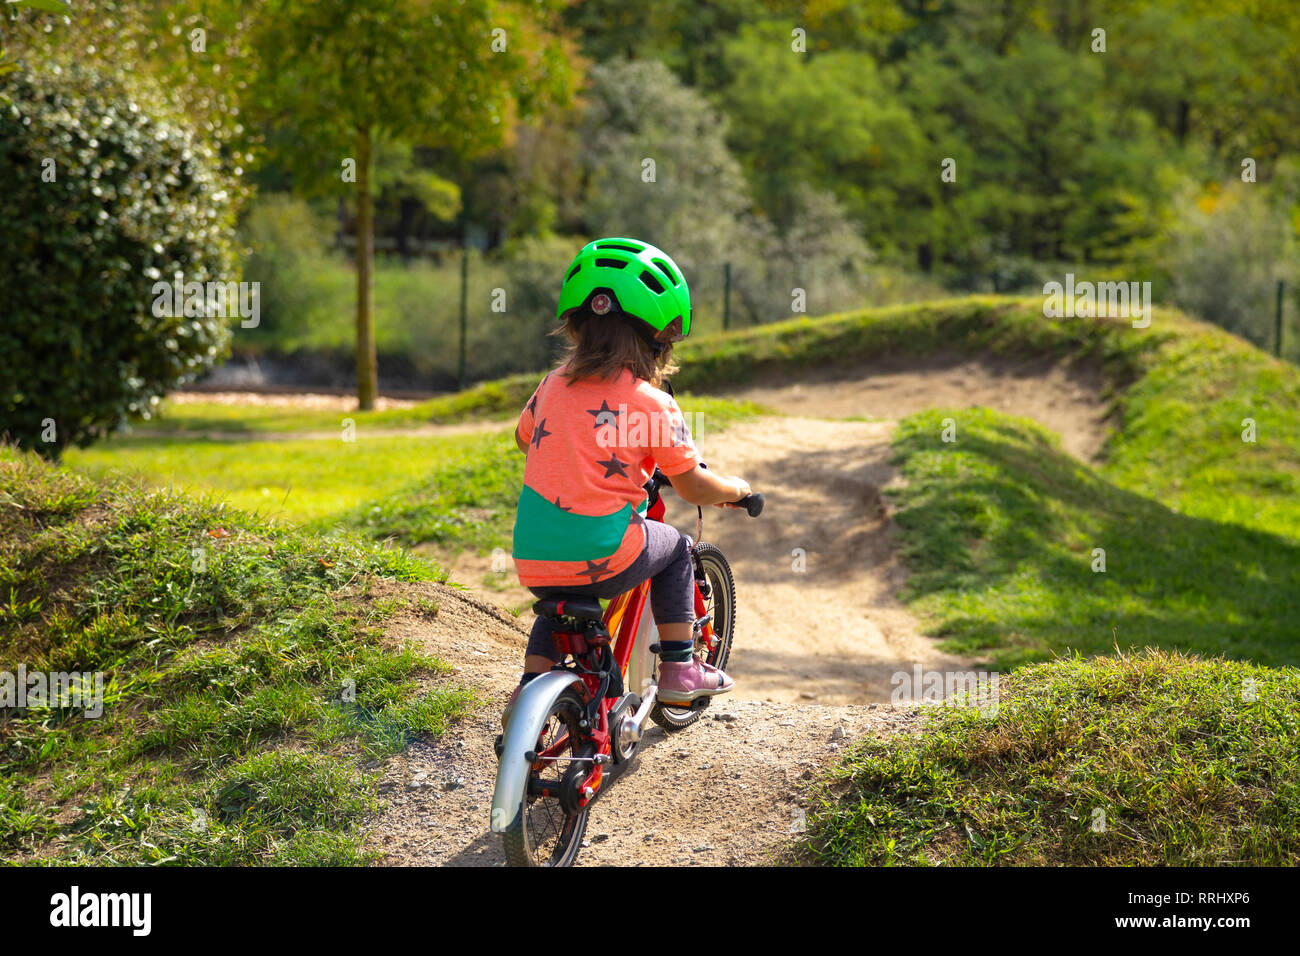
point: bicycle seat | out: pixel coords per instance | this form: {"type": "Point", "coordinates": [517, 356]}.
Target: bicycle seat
{"type": "Point", "coordinates": [580, 607]}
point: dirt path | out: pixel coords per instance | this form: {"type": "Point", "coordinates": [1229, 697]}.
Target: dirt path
{"type": "Point", "coordinates": [759, 758]}
{"type": "Point", "coordinates": [817, 617]}
{"type": "Point", "coordinates": [816, 642]}
{"type": "Point", "coordinates": [1065, 400]}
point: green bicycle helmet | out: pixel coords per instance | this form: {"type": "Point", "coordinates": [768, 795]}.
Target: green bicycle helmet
{"type": "Point", "coordinates": [631, 277]}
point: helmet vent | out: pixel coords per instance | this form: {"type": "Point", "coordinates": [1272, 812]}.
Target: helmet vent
{"type": "Point", "coordinates": [611, 263]}
{"type": "Point", "coordinates": [573, 272]}
{"type": "Point", "coordinates": [667, 270]}
{"type": "Point", "coordinates": [618, 245]}
{"type": "Point", "coordinates": [651, 283]}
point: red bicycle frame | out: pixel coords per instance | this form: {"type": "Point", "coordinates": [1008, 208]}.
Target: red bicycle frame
{"type": "Point", "coordinates": [623, 620]}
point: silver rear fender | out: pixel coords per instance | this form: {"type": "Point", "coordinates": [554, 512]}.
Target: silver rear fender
{"type": "Point", "coordinates": [531, 709]}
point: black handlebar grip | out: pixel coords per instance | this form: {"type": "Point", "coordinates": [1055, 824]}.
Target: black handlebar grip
{"type": "Point", "coordinates": [753, 503]}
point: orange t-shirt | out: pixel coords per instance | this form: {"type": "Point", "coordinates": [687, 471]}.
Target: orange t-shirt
{"type": "Point", "coordinates": [592, 445]}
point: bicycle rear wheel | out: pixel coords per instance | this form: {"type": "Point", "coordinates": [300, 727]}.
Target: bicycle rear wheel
{"type": "Point", "coordinates": [545, 832]}
{"type": "Point", "coordinates": [721, 604]}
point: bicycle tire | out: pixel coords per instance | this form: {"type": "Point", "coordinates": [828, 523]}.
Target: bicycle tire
{"type": "Point", "coordinates": [722, 604]}
{"type": "Point", "coordinates": [521, 843]}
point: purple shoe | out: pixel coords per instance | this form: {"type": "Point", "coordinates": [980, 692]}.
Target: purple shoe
{"type": "Point", "coordinates": [681, 682]}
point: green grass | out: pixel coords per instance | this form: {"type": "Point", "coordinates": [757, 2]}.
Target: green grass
{"type": "Point", "coordinates": [251, 420]}
{"type": "Point", "coordinates": [298, 481]}
{"type": "Point", "coordinates": [455, 490]}
{"type": "Point", "coordinates": [1181, 436]}
{"type": "Point", "coordinates": [466, 501]}
{"type": "Point", "coordinates": [245, 678]}
{"type": "Point", "coordinates": [712, 363]}
{"type": "Point", "coordinates": [1154, 759]}
{"type": "Point", "coordinates": [499, 400]}
{"type": "Point", "coordinates": [999, 530]}
{"type": "Point", "coordinates": [1201, 530]}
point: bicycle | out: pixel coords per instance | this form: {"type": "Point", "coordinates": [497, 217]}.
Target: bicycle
{"type": "Point", "coordinates": [579, 719]}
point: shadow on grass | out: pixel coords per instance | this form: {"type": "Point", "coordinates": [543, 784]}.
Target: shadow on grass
{"type": "Point", "coordinates": [1003, 533]}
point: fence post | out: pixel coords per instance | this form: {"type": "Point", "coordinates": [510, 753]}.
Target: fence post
{"type": "Point", "coordinates": [726, 296]}
{"type": "Point", "coordinates": [1277, 339]}
{"type": "Point", "coordinates": [464, 305]}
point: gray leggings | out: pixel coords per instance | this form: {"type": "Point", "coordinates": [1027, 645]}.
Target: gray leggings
{"type": "Point", "coordinates": [665, 560]}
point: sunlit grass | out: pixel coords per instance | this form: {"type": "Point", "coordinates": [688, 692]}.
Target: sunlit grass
{"type": "Point", "coordinates": [1151, 759]}
{"type": "Point", "coordinates": [297, 481]}
{"type": "Point", "coordinates": [246, 671]}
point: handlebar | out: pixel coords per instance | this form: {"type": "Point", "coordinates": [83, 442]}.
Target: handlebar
{"type": "Point", "coordinates": [752, 503]}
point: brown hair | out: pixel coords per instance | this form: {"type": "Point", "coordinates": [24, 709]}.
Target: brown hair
{"type": "Point", "coordinates": [601, 346]}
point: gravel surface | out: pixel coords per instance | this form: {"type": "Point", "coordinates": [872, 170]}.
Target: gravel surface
{"type": "Point", "coordinates": [729, 790]}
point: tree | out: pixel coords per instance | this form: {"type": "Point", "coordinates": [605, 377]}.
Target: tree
{"type": "Point", "coordinates": [448, 75]}
{"type": "Point", "coordinates": [829, 121]}
{"type": "Point", "coordinates": [1228, 247]}
{"type": "Point", "coordinates": [106, 195]}
{"type": "Point", "coordinates": [659, 170]}
{"type": "Point", "coordinates": [658, 163]}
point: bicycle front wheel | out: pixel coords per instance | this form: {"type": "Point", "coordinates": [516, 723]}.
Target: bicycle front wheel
{"type": "Point", "coordinates": [721, 605]}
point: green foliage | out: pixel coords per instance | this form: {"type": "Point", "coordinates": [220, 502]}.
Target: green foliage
{"type": "Point", "coordinates": [287, 257]}
{"type": "Point", "coordinates": [307, 293]}
{"type": "Point", "coordinates": [809, 120]}
{"type": "Point", "coordinates": [420, 72]}
{"type": "Point", "coordinates": [107, 193]}
{"type": "Point", "coordinates": [1225, 252]}
{"type": "Point", "coordinates": [695, 203]}
{"type": "Point", "coordinates": [1145, 760]}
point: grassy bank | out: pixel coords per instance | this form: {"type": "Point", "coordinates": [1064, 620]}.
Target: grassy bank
{"type": "Point", "coordinates": [1018, 551]}
{"type": "Point", "coordinates": [1153, 759]}
{"type": "Point", "coordinates": [1196, 508]}
{"type": "Point", "coordinates": [245, 678]}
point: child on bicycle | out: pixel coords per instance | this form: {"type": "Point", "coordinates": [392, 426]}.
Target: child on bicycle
{"type": "Point", "coordinates": [593, 433]}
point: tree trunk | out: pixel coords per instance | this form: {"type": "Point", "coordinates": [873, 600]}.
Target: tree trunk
{"type": "Point", "coordinates": [367, 361]}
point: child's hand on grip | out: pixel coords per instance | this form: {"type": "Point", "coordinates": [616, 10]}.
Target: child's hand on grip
{"type": "Point", "coordinates": [742, 490]}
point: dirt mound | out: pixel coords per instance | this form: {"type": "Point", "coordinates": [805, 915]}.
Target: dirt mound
{"type": "Point", "coordinates": [1066, 399]}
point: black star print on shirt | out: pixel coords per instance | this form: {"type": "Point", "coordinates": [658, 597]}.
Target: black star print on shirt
{"type": "Point", "coordinates": [596, 571]}
{"type": "Point", "coordinates": [560, 506]}
{"type": "Point", "coordinates": [613, 466]}
{"type": "Point", "coordinates": [539, 433]}
{"type": "Point", "coordinates": [532, 402]}
{"type": "Point", "coordinates": [604, 415]}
